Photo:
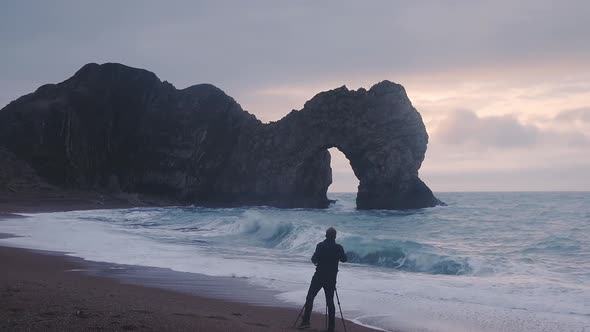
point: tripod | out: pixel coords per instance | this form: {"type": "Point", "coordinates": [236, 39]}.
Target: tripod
{"type": "Point", "coordinates": [339, 307]}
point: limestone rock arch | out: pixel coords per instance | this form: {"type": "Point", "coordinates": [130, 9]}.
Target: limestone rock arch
{"type": "Point", "coordinates": [114, 129]}
{"type": "Point", "coordinates": [378, 130]}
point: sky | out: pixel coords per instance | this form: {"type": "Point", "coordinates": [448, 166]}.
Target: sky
{"type": "Point", "coordinates": [503, 86]}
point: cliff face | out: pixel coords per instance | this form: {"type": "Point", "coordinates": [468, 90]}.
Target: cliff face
{"type": "Point", "coordinates": [114, 128]}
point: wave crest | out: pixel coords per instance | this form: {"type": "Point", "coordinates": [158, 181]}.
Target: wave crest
{"type": "Point", "coordinates": [404, 255]}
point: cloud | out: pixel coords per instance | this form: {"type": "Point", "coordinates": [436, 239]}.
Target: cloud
{"type": "Point", "coordinates": [515, 63]}
{"type": "Point", "coordinates": [470, 152]}
{"type": "Point", "coordinates": [466, 127]}
{"type": "Point", "coordinates": [261, 43]}
{"type": "Point", "coordinates": [576, 116]}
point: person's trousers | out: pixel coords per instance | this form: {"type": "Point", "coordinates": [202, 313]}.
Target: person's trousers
{"type": "Point", "coordinates": [328, 283]}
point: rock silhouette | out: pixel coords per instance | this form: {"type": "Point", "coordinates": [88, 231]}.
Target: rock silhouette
{"type": "Point", "coordinates": [114, 128]}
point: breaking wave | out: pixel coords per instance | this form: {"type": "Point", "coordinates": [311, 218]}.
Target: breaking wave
{"type": "Point", "coordinates": [254, 228]}
{"type": "Point", "coordinates": [404, 255]}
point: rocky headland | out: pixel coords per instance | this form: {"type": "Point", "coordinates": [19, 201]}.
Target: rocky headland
{"type": "Point", "coordinates": [116, 130]}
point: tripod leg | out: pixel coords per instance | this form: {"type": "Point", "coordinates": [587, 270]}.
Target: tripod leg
{"type": "Point", "coordinates": [326, 316]}
{"type": "Point", "coordinates": [300, 312]}
{"type": "Point", "coordinates": [341, 315]}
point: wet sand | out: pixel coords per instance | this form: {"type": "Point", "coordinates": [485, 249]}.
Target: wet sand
{"type": "Point", "coordinates": [64, 200]}
{"type": "Point", "coordinates": [47, 291]}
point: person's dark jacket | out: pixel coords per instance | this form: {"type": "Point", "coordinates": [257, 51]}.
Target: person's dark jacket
{"type": "Point", "coordinates": [326, 257]}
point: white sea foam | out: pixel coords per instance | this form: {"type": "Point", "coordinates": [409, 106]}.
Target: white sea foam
{"type": "Point", "coordinates": [466, 267]}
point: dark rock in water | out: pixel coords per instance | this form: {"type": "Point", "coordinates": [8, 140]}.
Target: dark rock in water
{"type": "Point", "coordinates": [115, 128]}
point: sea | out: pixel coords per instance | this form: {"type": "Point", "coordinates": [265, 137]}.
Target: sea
{"type": "Point", "coordinates": [511, 261]}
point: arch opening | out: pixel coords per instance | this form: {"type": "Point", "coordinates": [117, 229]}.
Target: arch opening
{"type": "Point", "coordinates": [343, 178]}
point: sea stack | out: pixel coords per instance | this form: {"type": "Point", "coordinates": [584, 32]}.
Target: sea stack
{"type": "Point", "coordinates": [112, 128]}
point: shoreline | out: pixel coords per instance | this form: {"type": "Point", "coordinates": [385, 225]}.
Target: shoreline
{"type": "Point", "coordinates": [52, 291]}
{"type": "Point", "coordinates": [12, 204]}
